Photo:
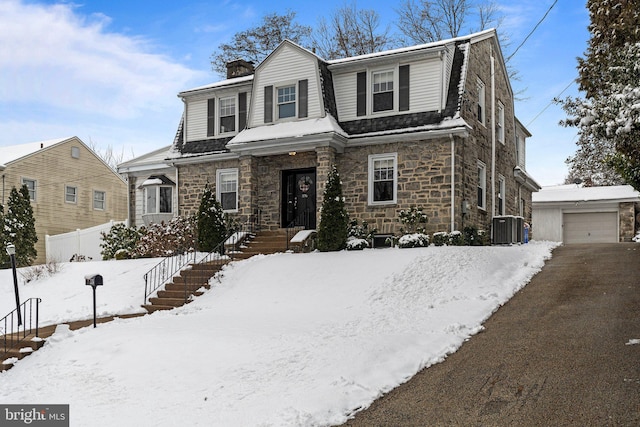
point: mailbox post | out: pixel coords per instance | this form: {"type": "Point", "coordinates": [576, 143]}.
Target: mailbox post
{"type": "Point", "coordinates": [93, 280]}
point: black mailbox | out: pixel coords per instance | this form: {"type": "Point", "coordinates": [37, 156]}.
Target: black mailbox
{"type": "Point", "coordinates": [93, 280]}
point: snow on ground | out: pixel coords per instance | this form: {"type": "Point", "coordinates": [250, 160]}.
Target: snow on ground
{"type": "Point", "coordinates": [279, 340]}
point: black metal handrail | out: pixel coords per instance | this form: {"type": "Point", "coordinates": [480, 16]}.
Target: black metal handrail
{"type": "Point", "coordinates": [164, 271]}
{"type": "Point", "coordinates": [13, 332]}
{"type": "Point", "coordinates": [220, 255]}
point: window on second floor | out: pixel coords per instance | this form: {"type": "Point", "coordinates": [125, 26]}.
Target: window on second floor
{"type": "Point", "coordinates": [520, 151]}
{"type": "Point", "coordinates": [31, 186]}
{"type": "Point", "coordinates": [481, 101]}
{"type": "Point", "coordinates": [227, 189]}
{"type": "Point", "coordinates": [482, 185]}
{"type": "Point", "coordinates": [99, 200]}
{"type": "Point", "coordinates": [286, 102]}
{"type": "Point", "coordinates": [70, 194]}
{"type": "Point", "coordinates": [382, 91]}
{"type": "Point", "coordinates": [500, 123]}
{"type": "Point", "coordinates": [228, 114]}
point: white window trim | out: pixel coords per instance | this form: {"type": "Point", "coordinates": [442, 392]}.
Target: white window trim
{"type": "Point", "coordinates": [502, 188]}
{"type": "Point", "coordinates": [386, 156]}
{"type": "Point", "coordinates": [396, 85]}
{"type": "Point", "coordinates": [75, 194]}
{"type": "Point", "coordinates": [219, 115]}
{"type": "Point", "coordinates": [482, 101]}
{"type": "Point", "coordinates": [35, 187]}
{"type": "Point", "coordinates": [156, 188]}
{"type": "Point", "coordinates": [219, 174]}
{"type": "Point", "coordinates": [500, 123]}
{"type": "Point", "coordinates": [483, 184]}
{"type": "Point", "coordinates": [104, 200]}
{"type": "Point", "coordinates": [276, 110]}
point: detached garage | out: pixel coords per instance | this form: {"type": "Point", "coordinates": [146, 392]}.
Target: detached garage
{"type": "Point", "coordinates": [574, 214]}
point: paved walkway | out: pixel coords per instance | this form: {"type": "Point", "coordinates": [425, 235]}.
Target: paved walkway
{"type": "Point", "coordinates": [557, 354]}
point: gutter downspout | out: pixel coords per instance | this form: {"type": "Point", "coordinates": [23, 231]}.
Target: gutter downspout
{"type": "Point", "coordinates": [493, 135]}
{"type": "Point", "coordinates": [453, 183]}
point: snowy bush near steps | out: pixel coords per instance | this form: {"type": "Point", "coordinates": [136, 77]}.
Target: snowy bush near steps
{"type": "Point", "coordinates": [637, 238]}
{"type": "Point", "coordinates": [415, 240]}
{"type": "Point", "coordinates": [356, 244]}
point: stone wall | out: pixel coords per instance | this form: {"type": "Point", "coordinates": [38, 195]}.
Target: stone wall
{"type": "Point", "coordinates": [192, 181]}
{"type": "Point", "coordinates": [627, 217]}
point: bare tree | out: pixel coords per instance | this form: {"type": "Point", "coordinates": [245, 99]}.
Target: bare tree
{"type": "Point", "coordinates": [111, 158]}
{"type": "Point", "coordinates": [426, 21]}
{"type": "Point", "coordinates": [257, 42]}
{"type": "Point", "coordinates": [350, 31]}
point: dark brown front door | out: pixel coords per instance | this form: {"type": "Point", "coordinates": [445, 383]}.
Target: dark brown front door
{"type": "Point", "coordinates": [299, 198]}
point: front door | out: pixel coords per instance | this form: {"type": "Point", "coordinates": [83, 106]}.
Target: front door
{"type": "Point", "coordinates": [299, 198]}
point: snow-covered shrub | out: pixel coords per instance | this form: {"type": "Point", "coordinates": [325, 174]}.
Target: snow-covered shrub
{"type": "Point", "coordinates": [412, 219]}
{"type": "Point", "coordinates": [474, 237]}
{"type": "Point", "coordinates": [414, 240]}
{"type": "Point", "coordinates": [334, 221]}
{"type": "Point", "coordinates": [637, 238]}
{"type": "Point", "coordinates": [359, 236]}
{"type": "Point", "coordinates": [119, 238]}
{"type": "Point", "coordinates": [456, 238]}
{"type": "Point", "coordinates": [440, 238]}
{"type": "Point", "coordinates": [79, 258]}
{"type": "Point", "coordinates": [160, 240]}
{"type": "Point", "coordinates": [210, 221]}
{"type": "Point", "coordinates": [356, 244]}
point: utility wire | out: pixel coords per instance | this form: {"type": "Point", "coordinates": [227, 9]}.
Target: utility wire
{"type": "Point", "coordinates": [549, 104]}
{"type": "Point", "coordinates": [532, 31]}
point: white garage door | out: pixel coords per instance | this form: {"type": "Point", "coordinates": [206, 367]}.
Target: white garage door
{"type": "Point", "coordinates": [591, 227]}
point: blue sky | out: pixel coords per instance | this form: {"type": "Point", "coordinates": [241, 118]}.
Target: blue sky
{"type": "Point", "coordinates": [109, 71]}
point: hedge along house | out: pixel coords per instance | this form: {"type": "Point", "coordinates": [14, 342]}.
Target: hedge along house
{"type": "Point", "coordinates": [430, 125]}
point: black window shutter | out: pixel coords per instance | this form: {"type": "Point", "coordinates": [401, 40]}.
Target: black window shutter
{"type": "Point", "coordinates": [242, 110]}
{"type": "Point", "coordinates": [268, 104]}
{"type": "Point", "coordinates": [361, 108]}
{"type": "Point", "coordinates": [303, 98]}
{"type": "Point", "coordinates": [404, 87]}
{"type": "Point", "coordinates": [211, 117]}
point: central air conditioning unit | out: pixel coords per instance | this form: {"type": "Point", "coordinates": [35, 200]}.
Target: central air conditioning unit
{"type": "Point", "coordinates": [507, 230]}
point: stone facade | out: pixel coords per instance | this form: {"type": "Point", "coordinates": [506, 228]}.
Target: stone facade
{"type": "Point", "coordinates": [437, 173]}
{"type": "Point", "coordinates": [627, 215]}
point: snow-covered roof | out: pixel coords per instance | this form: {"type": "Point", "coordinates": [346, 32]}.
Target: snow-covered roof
{"type": "Point", "coordinates": [216, 85]}
{"type": "Point", "coordinates": [432, 45]}
{"type": "Point", "coordinates": [291, 129]}
{"type": "Point", "coordinates": [154, 158]}
{"type": "Point", "coordinates": [576, 193]}
{"type": "Point", "coordinates": [12, 153]}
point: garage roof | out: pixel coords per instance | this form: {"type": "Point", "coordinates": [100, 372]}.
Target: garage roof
{"type": "Point", "coordinates": [576, 193]}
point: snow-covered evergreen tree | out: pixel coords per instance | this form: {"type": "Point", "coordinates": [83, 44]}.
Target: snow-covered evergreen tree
{"type": "Point", "coordinates": [20, 226]}
{"type": "Point", "coordinates": [608, 118]}
{"type": "Point", "coordinates": [334, 220]}
{"type": "Point", "coordinates": [210, 221]}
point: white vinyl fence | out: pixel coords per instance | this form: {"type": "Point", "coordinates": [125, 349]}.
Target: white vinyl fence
{"type": "Point", "coordinates": [62, 247]}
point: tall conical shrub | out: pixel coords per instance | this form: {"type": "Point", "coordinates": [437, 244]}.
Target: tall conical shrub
{"type": "Point", "coordinates": [334, 220]}
{"type": "Point", "coordinates": [210, 221]}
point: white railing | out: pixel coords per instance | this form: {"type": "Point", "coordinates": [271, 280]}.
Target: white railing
{"type": "Point", "coordinates": [86, 242]}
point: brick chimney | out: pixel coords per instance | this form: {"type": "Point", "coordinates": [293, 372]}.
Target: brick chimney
{"type": "Point", "coordinates": [239, 68]}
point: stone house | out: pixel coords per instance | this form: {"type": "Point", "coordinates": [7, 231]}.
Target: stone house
{"type": "Point", "coordinates": [431, 125]}
{"type": "Point", "coordinates": [70, 186]}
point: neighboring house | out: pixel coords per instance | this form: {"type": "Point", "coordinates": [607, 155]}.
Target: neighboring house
{"type": "Point", "coordinates": [430, 125]}
{"type": "Point", "coordinates": [152, 188]}
{"type": "Point", "coordinates": [574, 214]}
{"type": "Point", "coordinates": [70, 186]}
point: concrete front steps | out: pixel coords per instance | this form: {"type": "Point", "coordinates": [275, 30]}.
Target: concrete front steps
{"type": "Point", "coordinates": [265, 242]}
{"type": "Point", "coordinates": [191, 281]}
{"type": "Point", "coordinates": [22, 349]}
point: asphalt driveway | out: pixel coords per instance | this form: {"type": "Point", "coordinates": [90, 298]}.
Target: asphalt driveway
{"type": "Point", "coordinates": [560, 353]}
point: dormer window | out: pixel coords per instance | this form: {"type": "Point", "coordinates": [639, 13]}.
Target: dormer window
{"type": "Point", "coordinates": [227, 114]}
{"type": "Point", "coordinates": [382, 91]}
{"type": "Point", "coordinates": [286, 102]}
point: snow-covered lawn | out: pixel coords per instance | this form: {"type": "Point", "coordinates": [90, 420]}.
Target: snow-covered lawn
{"type": "Point", "coordinates": [279, 340]}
